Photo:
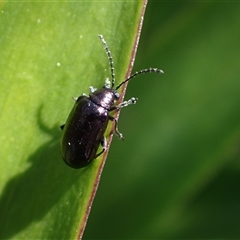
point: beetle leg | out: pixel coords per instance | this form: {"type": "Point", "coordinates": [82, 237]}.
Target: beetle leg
{"type": "Point", "coordinates": [108, 83]}
{"type": "Point", "coordinates": [76, 98]}
{"type": "Point", "coordinates": [92, 89]}
{"type": "Point", "coordinates": [116, 128]}
{"type": "Point", "coordinates": [132, 100]}
{"type": "Point", "coordinates": [104, 146]}
{"type": "Point", "coordinates": [118, 107]}
{"type": "Point", "coordinates": [83, 94]}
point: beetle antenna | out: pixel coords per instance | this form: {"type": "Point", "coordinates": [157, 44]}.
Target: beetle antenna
{"type": "Point", "coordinates": [149, 70]}
{"type": "Point", "coordinates": [109, 58]}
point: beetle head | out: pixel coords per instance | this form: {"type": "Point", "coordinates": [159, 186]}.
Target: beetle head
{"type": "Point", "coordinates": [105, 97]}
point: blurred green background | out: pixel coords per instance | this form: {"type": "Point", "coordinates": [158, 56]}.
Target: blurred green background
{"type": "Point", "coordinates": [177, 174]}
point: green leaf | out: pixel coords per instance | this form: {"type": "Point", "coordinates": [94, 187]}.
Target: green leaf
{"type": "Point", "coordinates": [50, 52]}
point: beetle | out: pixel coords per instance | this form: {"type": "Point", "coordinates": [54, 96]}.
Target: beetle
{"type": "Point", "coordinates": [84, 129]}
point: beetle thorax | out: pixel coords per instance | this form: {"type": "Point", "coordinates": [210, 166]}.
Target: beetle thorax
{"type": "Point", "coordinates": [104, 97]}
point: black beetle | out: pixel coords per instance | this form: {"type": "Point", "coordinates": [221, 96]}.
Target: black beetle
{"type": "Point", "coordinates": [86, 124]}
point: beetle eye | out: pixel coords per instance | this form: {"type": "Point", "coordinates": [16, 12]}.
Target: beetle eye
{"type": "Point", "coordinates": [117, 96]}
